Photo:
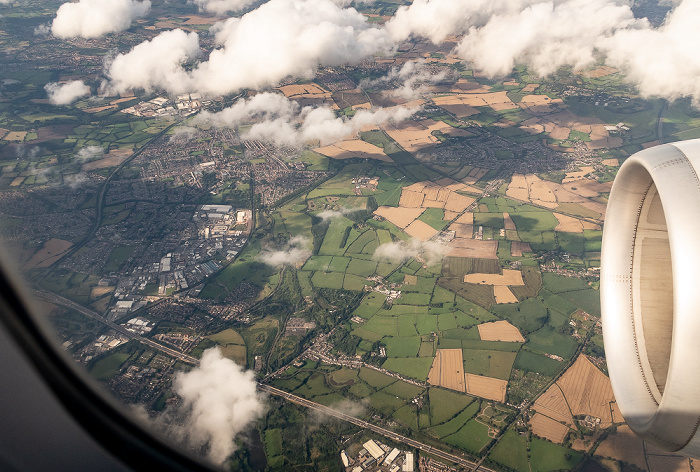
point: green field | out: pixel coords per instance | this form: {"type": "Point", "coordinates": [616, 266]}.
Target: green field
{"type": "Point", "coordinates": [402, 347]}
{"type": "Point", "coordinates": [456, 423]}
{"type": "Point", "coordinates": [413, 367]}
{"type": "Point", "coordinates": [546, 456]}
{"type": "Point", "coordinates": [473, 436]}
{"type": "Point", "coordinates": [511, 452]}
{"type": "Point", "coordinates": [375, 379]}
{"type": "Point", "coordinates": [108, 367]}
{"type": "Point", "coordinates": [445, 404]}
{"type": "Point", "coordinates": [531, 362]}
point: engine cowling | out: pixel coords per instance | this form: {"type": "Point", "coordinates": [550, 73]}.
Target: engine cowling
{"type": "Point", "coordinates": [650, 295]}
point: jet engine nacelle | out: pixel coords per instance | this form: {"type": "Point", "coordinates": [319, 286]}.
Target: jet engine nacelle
{"type": "Point", "coordinates": [650, 294]}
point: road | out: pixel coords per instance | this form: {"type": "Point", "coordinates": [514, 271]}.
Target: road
{"type": "Point", "coordinates": [53, 298]}
{"type": "Point", "coordinates": [384, 432]}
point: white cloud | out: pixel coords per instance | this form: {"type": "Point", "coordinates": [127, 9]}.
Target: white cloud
{"type": "Point", "coordinates": [155, 64]}
{"type": "Point", "coordinates": [183, 133]}
{"type": "Point", "coordinates": [327, 215]}
{"type": "Point", "coordinates": [413, 79]}
{"type": "Point", "coordinates": [545, 36]}
{"type": "Point", "coordinates": [292, 253]}
{"type": "Point", "coordinates": [94, 18]}
{"type": "Point", "coordinates": [89, 152]}
{"type": "Point", "coordinates": [399, 251]}
{"type": "Point", "coordinates": [662, 62]}
{"type": "Point", "coordinates": [65, 94]}
{"type": "Point", "coordinates": [281, 121]}
{"type": "Point", "coordinates": [280, 38]}
{"type": "Point", "coordinates": [219, 7]}
{"type": "Point", "coordinates": [75, 181]}
{"type": "Point", "coordinates": [42, 30]}
{"type": "Point", "coordinates": [220, 400]}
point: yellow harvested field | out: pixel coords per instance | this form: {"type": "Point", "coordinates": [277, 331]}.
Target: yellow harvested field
{"type": "Point", "coordinates": [3, 132]}
{"type": "Point", "coordinates": [411, 199]}
{"type": "Point", "coordinates": [539, 104]}
{"type": "Point", "coordinates": [431, 191]}
{"type": "Point", "coordinates": [52, 250]}
{"type": "Point", "coordinates": [587, 390]}
{"type": "Point", "coordinates": [507, 222]}
{"type": "Point", "coordinates": [503, 294]}
{"type": "Point", "coordinates": [577, 175]}
{"type": "Point", "coordinates": [465, 86]}
{"type": "Point", "coordinates": [486, 387]}
{"type": "Point", "coordinates": [401, 217]}
{"type": "Point", "coordinates": [433, 204]}
{"type": "Point", "coordinates": [17, 181]}
{"type": "Point", "coordinates": [98, 109]}
{"type": "Point", "coordinates": [304, 90]}
{"type": "Point", "coordinates": [610, 162]}
{"type": "Point", "coordinates": [596, 207]}
{"type": "Point", "coordinates": [415, 135]}
{"type": "Point", "coordinates": [553, 404]}
{"type": "Point", "coordinates": [664, 461]}
{"type": "Point", "coordinates": [112, 159]}
{"type": "Point", "coordinates": [509, 277]}
{"type": "Point", "coordinates": [458, 203]}
{"type": "Point", "coordinates": [15, 136]}
{"type": "Point", "coordinates": [568, 224]}
{"type": "Point", "coordinates": [541, 191]}
{"type": "Point", "coordinates": [530, 88]}
{"type": "Point", "coordinates": [456, 105]}
{"type": "Point", "coordinates": [600, 72]}
{"type": "Point", "coordinates": [450, 215]}
{"type": "Point", "coordinates": [623, 446]}
{"type": "Point", "coordinates": [448, 370]}
{"type": "Point", "coordinates": [420, 230]}
{"type": "Point", "coordinates": [588, 187]}
{"type": "Point", "coordinates": [547, 428]}
{"type": "Point", "coordinates": [474, 248]}
{"type": "Point", "coordinates": [354, 148]}
{"type": "Point", "coordinates": [518, 188]}
{"type": "Point", "coordinates": [474, 190]}
{"type": "Point", "coordinates": [462, 231]}
{"type": "Point", "coordinates": [466, 218]}
{"type": "Point", "coordinates": [517, 248]}
{"type": "Point", "coordinates": [417, 187]}
{"type": "Point", "coordinates": [500, 331]}
{"type": "Point", "coordinates": [410, 279]}
{"type": "Point", "coordinates": [588, 225]}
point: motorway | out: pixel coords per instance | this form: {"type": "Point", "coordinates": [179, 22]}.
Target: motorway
{"type": "Point", "coordinates": [53, 298]}
{"type": "Point", "coordinates": [384, 432]}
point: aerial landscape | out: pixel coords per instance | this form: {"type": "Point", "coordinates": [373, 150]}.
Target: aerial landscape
{"type": "Point", "coordinates": [371, 230]}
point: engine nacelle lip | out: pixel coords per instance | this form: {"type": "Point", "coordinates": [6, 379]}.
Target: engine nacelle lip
{"type": "Point", "coordinates": [670, 420]}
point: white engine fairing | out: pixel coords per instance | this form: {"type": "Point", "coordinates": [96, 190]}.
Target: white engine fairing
{"type": "Point", "coordinates": [650, 295]}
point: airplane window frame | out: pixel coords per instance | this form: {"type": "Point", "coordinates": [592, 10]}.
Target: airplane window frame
{"type": "Point", "coordinates": [103, 419]}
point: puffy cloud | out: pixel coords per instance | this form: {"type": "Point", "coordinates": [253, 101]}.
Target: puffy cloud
{"type": "Point", "coordinates": [183, 133]}
{"type": "Point", "coordinates": [94, 18]}
{"type": "Point", "coordinates": [219, 400]}
{"type": "Point", "coordinates": [412, 79]}
{"type": "Point", "coordinates": [544, 36]}
{"type": "Point", "coordinates": [399, 251]}
{"type": "Point", "coordinates": [438, 19]}
{"type": "Point", "coordinates": [280, 38]}
{"type": "Point", "coordinates": [65, 94]}
{"type": "Point", "coordinates": [292, 253]}
{"type": "Point", "coordinates": [662, 62]}
{"type": "Point", "coordinates": [281, 121]}
{"type": "Point", "coordinates": [219, 7]}
{"type": "Point", "coordinates": [42, 30]}
{"type": "Point", "coordinates": [75, 181]}
{"type": "Point", "coordinates": [327, 215]}
{"type": "Point", "coordinates": [89, 152]}
{"type": "Point", "coordinates": [155, 64]}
